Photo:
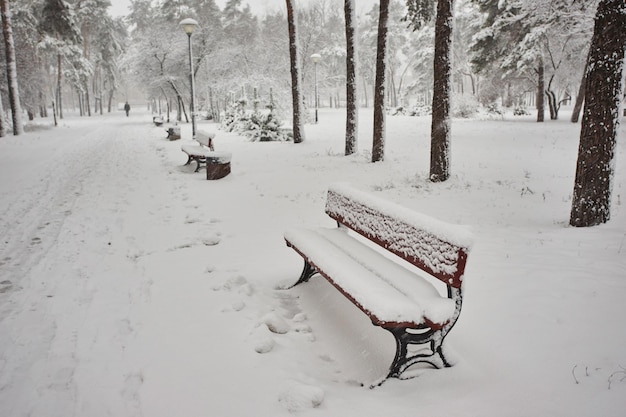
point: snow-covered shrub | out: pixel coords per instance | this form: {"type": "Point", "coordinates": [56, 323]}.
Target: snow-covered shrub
{"type": "Point", "coordinates": [421, 111]}
{"type": "Point", "coordinates": [464, 106]}
{"type": "Point", "coordinates": [396, 111]}
{"type": "Point", "coordinates": [265, 127]}
{"type": "Point", "coordinates": [258, 126]}
{"type": "Point", "coordinates": [412, 111]}
{"type": "Point", "coordinates": [493, 108]}
{"type": "Point", "coordinates": [520, 111]}
{"type": "Point", "coordinates": [232, 118]}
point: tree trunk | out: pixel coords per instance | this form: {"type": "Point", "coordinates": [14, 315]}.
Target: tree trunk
{"type": "Point", "coordinates": [110, 100]}
{"type": "Point", "coordinates": [440, 126]}
{"type": "Point", "coordinates": [87, 103]}
{"type": "Point", "coordinates": [54, 114]}
{"type": "Point", "coordinates": [378, 145]}
{"type": "Point", "coordinates": [59, 88]}
{"type": "Point", "coordinates": [3, 122]}
{"type": "Point", "coordinates": [580, 97]}
{"type": "Point", "coordinates": [540, 87]}
{"type": "Point", "coordinates": [14, 95]}
{"type": "Point", "coordinates": [393, 97]}
{"type": "Point", "coordinates": [553, 105]}
{"type": "Point", "coordinates": [351, 79]}
{"type": "Point", "coordinates": [591, 201]}
{"type": "Point", "coordinates": [296, 91]}
{"type": "Point", "coordinates": [366, 101]}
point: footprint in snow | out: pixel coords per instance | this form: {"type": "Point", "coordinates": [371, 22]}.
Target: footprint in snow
{"type": "Point", "coordinates": [262, 340]}
{"type": "Point", "coordinates": [206, 241]}
{"type": "Point", "coordinates": [238, 283]}
{"type": "Point", "coordinates": [275, 323]}
{"type": "Point", "coordinates": [300, 397]}
{"type": "Point", "coordinates": [192, 220]}
{"type": "Point", "coordinates": [5, 286]}
{"type": "Point", "coordinates": [236, 305]}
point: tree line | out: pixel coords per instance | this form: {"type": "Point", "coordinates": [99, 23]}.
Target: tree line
{"type": "Point", "coordinates": [517, 53]}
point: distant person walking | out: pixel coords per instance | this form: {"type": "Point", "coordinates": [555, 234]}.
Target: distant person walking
{"type": "Point", "coordinates": [127, 108]}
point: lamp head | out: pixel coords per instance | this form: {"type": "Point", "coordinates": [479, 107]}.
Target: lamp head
{"type": "Point", "coordinates": [188, 25]}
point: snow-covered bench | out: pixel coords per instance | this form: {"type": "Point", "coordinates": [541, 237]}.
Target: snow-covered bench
{"type": "Point", "coordinates": [157, 120]}
{"type": "Point", "coordinates": [399, 299]}
{"type": "Point", "coordinates": [173, 133]}
{"type": "Point", "coordinates": [217, 163]}
{"type": "Point", "coordinates": [199, 151]}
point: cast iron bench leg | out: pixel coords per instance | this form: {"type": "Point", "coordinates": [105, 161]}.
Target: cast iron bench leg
{"type": "Point", "coordinates": [199, 161]}
{"type": "Point", "coordinates": [307, 272]}
{"type": "Point", "coordinates": [402, 360]}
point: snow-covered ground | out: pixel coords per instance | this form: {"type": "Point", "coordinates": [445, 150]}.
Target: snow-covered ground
{"type": "Point", "coordinates": [131, 286]}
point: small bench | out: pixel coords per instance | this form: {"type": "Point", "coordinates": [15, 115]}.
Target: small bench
{"type": "Point", "coordinates": [157, 120]}
{"type": "Point", "coordinates": [173, 133]}
{"type": "Point", "coordinates": [397, 298]}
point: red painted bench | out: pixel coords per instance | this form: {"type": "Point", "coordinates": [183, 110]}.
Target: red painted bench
{"type": "Point", "coordinates": [397, 298]}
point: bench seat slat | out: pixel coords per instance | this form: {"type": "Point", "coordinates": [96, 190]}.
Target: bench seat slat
{"type": "Point", "coordinates": [201, 151]}
{"type": "Point", "coordinates": [195, 150]}
{"type": "Point", "coordinates": [389, 293]}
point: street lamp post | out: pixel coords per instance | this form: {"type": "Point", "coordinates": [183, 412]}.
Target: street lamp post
{"type": "Point", "coordinates": [316, 58]}
{"type": "Point", "coordinates": [188, 26]}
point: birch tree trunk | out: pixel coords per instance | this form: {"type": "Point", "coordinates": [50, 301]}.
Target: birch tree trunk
{"type": "Point", "coordinates": [591, 201]}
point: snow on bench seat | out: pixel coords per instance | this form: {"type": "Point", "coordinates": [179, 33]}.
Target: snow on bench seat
{"type": "Point", "coordinates": [363, 275]}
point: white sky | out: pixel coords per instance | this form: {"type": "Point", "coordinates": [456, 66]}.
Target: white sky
{"type": "Point", "coordinates": [120, 7]}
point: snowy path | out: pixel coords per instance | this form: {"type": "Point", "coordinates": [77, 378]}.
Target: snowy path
{"type": "Point", "coordinates": [69, 229]}
{"type": "Point", "coordinates": [86, 234]}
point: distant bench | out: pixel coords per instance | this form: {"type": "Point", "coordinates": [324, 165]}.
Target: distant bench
{"type": "Point", "coordinates": [395, 298]}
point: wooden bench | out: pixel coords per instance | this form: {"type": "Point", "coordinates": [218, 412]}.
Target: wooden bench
{"type": "Point", "coordinates": [173, 133]}
{"type": "Point", "coordinates": [200, 150]}
{"type": "Point", "coordinates": [399, 298]}
{"type": "Point", "coordinates": [157, 120]}
{"type": "Point", "coordinates": [217, 163]}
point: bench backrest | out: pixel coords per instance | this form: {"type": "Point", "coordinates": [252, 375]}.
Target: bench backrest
{"type": "Point", "coordinates": [434, 246]}
{"type": "Point", "coordinates": [205, 138]}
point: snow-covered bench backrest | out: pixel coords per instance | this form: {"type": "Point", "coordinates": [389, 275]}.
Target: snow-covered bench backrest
{"type": "Point", "coordinates": [205, 138]}
{"type": "Point", "coordinates": [434, 246]}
